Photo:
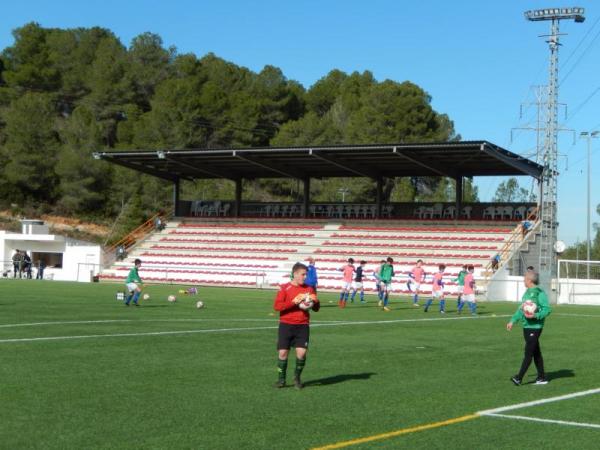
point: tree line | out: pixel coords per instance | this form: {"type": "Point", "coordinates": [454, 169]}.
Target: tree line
{"type": "Point", "coordinates": [66, 93]}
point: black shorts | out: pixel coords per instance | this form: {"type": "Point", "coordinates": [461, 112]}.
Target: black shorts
{"type": "Point", "coordinates": [292, 336]}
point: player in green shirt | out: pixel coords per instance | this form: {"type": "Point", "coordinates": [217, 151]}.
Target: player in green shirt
{"type": "Point", "coordinates": [386, 273]}
{"type": "Point", "coordinates": [533, 325]}
{"type": "Point", "coordinates": [133, 284]}
{"type": "Point", "coordinates": [460, 280]}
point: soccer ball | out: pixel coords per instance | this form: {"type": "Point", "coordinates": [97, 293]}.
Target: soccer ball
{"type": "Point", "coordinates": [146, 297]}
{"type": "Point", "coordinates": [306, 304]}
{"type": "Point", "coordinates": [529, 308]}
{"type": "Point", "coordinates": [199, 304]}
{"type": "Point", "coordinates": [172, 298]}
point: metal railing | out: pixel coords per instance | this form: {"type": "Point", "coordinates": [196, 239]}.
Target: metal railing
{"type": "Point", "coordinates": [517, 239]}
{"type": "Point", "coordinates": [132, 238]}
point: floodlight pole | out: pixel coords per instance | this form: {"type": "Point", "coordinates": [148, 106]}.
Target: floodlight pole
{"type": "Point", "coordinates": [548, 202]}
{"type": "Point", "coordinates": [589, 135]}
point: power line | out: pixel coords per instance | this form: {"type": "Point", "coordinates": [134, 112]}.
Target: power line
{"type": "Point", "coordinates": [564, 64]}
{"type": "Point", "coordinates": [580, 58]}
{"type": "Point", "coordinates": [582, 104]}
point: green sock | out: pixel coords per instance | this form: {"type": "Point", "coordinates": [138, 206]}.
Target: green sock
{"type": "Point", "coordinates": [281, 368]}
{"type": "Point", "coordinates": [299, 367]}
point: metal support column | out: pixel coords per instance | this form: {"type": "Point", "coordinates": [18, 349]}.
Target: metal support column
{"type": "Point", "coordinates": [379, 197]}
{"type": "Point", "coordinates": [238, 197]}
{"type": "Point", "coordinates": [306, 198]}
{"type": "Point", "coordinates": [176, 205]}
{"type": "Point", "coordinates": [459, 195]}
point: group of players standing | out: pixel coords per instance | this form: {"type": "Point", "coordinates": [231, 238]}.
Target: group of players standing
{"type": "Point", "coordinates": [353, 283]}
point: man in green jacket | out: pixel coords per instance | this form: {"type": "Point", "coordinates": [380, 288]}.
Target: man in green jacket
{"type": "Point", "coordinates": [533, 324]}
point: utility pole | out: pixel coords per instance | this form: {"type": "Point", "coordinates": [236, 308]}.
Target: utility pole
{"type": "Point", "coordinates": [549, 194]}
{"type": "Point", "coordinates": [589, 135]}
{"type": "Point", "coordinates": [540, 103]}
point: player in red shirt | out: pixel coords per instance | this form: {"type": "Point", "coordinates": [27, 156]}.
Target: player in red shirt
{"type": "Point", "coordinates": [294, 323]}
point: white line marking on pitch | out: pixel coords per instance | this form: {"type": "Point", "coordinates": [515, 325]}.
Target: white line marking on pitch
{"type": "Point", "coordinates": [34, 324]}
{"type": "Point", "coordinates": [538, 402]}
{"type": "Point", "coordinates": [81, 322]}
{"type": "Point", "coordinates": [216, 330]}
{"type": "Point", "coordinates": [150, 333]}
{"type": "Point", "coordinates": [537, 419]}
{"type": "Point", "coordinates": [576, 315]}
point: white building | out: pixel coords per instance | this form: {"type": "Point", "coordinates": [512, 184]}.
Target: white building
{"type": "Point", "coordinates": [65, 258]}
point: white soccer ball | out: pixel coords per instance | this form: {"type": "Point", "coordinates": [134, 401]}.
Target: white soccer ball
{"type": "Point", "coordinates": [306, 304]}
{"type": "Point", "coordinates": [172, 298]}
{"type": "Point", "coordinates": [529, 308]}
{"type": "Point", "coordinates": [146, 297]}
{"type": "Point", "coordinates": [199, 304]}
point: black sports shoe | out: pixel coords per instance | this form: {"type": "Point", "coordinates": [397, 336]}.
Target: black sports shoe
{"type": "Point", "coordinates": [297, 383]}
{"type": "Point", "coordinates": [280, 384]}
{"type": "Point", "coordinates": [541, 380]}
{"type": "Point", "coordinates": [516, 380]}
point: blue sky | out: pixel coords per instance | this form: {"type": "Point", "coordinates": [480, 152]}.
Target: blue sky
{"type": "Point", "coordinates": [477, 59]}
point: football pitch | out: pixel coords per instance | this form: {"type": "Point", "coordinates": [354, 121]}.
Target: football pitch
{"type": "Point", "coordinates": [80, 371]}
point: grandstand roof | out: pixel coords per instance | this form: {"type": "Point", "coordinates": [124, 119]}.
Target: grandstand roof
{"type": "Point", "coordinates": [451, 159]}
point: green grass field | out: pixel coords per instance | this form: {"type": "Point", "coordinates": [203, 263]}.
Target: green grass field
{"type": "Point", "coordinates": [81, 371]}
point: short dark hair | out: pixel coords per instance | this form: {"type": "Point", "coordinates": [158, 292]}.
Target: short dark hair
{"type": "Point", "coordinates": [533, 276]}
{"type": "Point", "coordinates": [299, 266]}
{"type": "Point", "coordinates": [470, 267]}
{"type": "Point", "coordinates": [351, 260]}
{"type": "Point", "coordinates": [137, 261]}
{"type": "Point", "coordinates": [419, 261]}
{"type": "Point", "coordinates": [390, 259]}
{"type": "Point", "coordinates": [530, 268]}
{"type": "Point", "coordinates": [442, 267]}
{"type": "Point", "coordinates": [363, 262]}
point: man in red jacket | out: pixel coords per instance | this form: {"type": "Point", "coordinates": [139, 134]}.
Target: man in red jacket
{"type": "Point", "coordinates": [294, 323]}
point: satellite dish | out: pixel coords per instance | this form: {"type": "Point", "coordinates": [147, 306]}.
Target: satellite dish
{"type": "Point", "coordinates": [560, 246]}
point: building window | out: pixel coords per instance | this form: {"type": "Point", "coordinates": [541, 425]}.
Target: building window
{"type": "Point", "coordinates": [52, 260]}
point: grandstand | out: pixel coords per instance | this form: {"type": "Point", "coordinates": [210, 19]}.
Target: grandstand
{"type": "Point", "coordinates": [252, 253]}
{"type": "Point", "coordinates": [251, 244]}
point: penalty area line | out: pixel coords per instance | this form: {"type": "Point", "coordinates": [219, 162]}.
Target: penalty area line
{"type": "Point", "coordinates": [537, 419]}
{"type": "Point", "coordinates": [542, 401]}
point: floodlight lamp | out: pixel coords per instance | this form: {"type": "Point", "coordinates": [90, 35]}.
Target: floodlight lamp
{"type": "Point", "coordinates": [576, 13]}
{"type": "Point", "coordinates": [161, 154]}
{"type": "Point", "coordinates": [96, 155]}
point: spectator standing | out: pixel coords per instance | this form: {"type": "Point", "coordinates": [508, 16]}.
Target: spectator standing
{"type": "Point", "coordinates": [27, 265]}
{"type": "Point", "coordinates": [312, 279]}
{"type": "Point", "coordinates": [17, 261]}
{"type": "Point", "coordinates": [40, 270]}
